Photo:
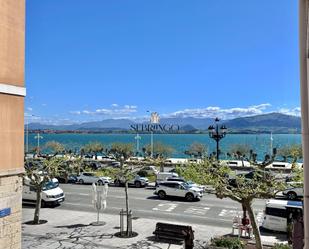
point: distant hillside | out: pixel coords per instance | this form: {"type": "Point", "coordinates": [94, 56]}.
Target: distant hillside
{"type": "Point", "coordinates": [271, 122]}
{"type": "Point", "coordinates": [265, 123]}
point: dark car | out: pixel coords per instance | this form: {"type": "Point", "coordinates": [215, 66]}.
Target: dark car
{"type": "Point", "coordinates": [258, 174]}
{"type": "Point", "coordinates": [71, 179]}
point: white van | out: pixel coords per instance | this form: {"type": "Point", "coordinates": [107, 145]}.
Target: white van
{"type": "Point", "coordinates": [276, 214]}
{"type": "Point", "coordinates": [52, 194]}
{"type": "Point", "coordinates": [162, 176]}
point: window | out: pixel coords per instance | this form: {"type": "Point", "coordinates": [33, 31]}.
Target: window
{"type": "Point", "coordinates": [278, 212]}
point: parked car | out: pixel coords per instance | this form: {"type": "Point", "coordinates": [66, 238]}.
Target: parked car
{"type": "Point", "coordinates": [162, 176]}
{"type": "Point", "coordinates": [277, 212]}
{"type": "Point", "coordinates": [88, 177]}
{"type": "Point", "coordinates": [52, 194]}
{"type": "Point", "coordinates": [259, 174]}
{"type": "Point", "coordinates": [138, 182]}
{"type": "Point", "coordinates": [294, 191]}
{"type": "Point", "coordinates": [179, 189]}
{"type": "Point", "coordinates": [151, 170]}
{"type": "Point", "coordinates": [71, 179]}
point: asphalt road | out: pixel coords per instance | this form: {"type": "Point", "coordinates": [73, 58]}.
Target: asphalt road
{"type": "Point", "coordinates": [143, 203]}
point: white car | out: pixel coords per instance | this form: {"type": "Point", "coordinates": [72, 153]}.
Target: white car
{"type": "Point", "coordinates": [294, 191]}
{"type": "Point", "coordinates": [88, 177]}
{"type": "Point", "coordinates": [52, 194]}
{"type": "Point", "coordinates": [138, 182]}
{"type": "Point", "coordinates": [179, 189]}
{"type": "Point", "coordinates": [151, 170]}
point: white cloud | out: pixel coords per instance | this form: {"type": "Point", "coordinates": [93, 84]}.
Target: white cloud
{"type": "Point", "coordinates": [214, 111]}
{"type": "Point", "coordinates": [291, 111]}
{"type": "Point", "coordinates": [30, 109]}
{"type": "Point", "coordinates": [114, 105]}
{"type": "Point", "coordinates": [124, 111]}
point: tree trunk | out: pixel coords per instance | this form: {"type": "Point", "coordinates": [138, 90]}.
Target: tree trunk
{"type": "Point", "coordinates": [256, 230]}
{"type": "Point", "coordinates": [127, 207]}
{"type": "Point", "coordinates": [36, 218]}
{"type": "Point", "coordinates": [66, 177]}
{"type": "Point", "coordinates": [162, 167]}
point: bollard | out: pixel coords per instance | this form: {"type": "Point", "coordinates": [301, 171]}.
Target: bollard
{"type": "Point", "coordinates": [121, 222]}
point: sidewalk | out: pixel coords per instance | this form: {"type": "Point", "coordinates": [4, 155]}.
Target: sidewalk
{"type": "Point", "coordinates": [71, 229]}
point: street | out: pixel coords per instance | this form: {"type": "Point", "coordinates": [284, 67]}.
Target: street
{"type": "Point", "coordinates": [209, 211]}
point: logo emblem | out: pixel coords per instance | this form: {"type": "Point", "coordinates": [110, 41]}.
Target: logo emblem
{"type": "Point", "coordinates": [154, 118]}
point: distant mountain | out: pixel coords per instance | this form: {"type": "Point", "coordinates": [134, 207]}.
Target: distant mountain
{"type": "Point", "coordinates": [271, 122]}
{"type": "Point", "coordinates": [197, 123]}
{"type": "Point", "coordinates": [265, 123]}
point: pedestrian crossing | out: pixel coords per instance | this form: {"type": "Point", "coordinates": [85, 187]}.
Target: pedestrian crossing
{"type": "Point", "coordinates": [211, 211]}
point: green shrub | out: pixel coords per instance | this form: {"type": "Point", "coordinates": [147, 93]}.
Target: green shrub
{"type": "Point", "coordinates": [282, 246]}
{"type": "Point", "coordinates": [230, 243]}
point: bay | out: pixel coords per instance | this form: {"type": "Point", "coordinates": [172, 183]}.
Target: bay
{"type": "Point", "coordinates": [260, 143]}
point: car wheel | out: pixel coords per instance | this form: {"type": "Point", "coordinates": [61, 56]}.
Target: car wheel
{"type": "Point", "coordinates": [100, 182]}
{"type": "Point", "coordinates": [292, 195]}
{"type": "Point", "coordinates": [138, 184]}
{"type": "Point", "coordinates": [162, 194]}
{"type": "Point", "coordinates": [81, 181]}
{"type": "Point", "coordinates": [189, 197]}
{"type": "Point", "coordinates": [117, 183]}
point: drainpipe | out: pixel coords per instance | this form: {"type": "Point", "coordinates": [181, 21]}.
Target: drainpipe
{"type": "Point", "coordinates": [303, 51]}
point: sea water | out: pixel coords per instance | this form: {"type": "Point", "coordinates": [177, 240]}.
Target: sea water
{"type": "Point", "coordinates": [260, 144]}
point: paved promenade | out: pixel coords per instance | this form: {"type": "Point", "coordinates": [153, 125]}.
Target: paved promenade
{"type": "Point", "coordinates": [71, 229]}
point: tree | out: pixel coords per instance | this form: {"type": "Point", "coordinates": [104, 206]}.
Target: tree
{"type": "Point", "coordinates": [93, 148]}
{"type": "Point", "coordinates": [196, 150]}
{"type": "Point", "coordinates": [160, 152]}
{"type": "Point", "coordinates": [122, 152]}
{"type": "Point", "coordinates": [55, 147]}
{"type": "Point", "coordinates": [292, 152]}
{"type": "Point", "coordinates": [38, 176]}
{"type": "Point", "coordinates": [239, 152]}
{"type": "Point", "coordinates": [262, 185]}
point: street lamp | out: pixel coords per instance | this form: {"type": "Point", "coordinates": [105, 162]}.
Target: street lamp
{"type": "Point", "coordinates": [38, 137]}
{"type": "Point", "coordinates": [137, 138]}
{"type": "Point", "coordinates": [217, 134]}
{"type": "Point", "coordinates": [27, 132]}
{"type": "Point", "coordinates": [154, 119]}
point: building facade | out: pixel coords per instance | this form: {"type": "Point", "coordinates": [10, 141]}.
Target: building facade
{"type": "Point", "coordinates": [12, 92]}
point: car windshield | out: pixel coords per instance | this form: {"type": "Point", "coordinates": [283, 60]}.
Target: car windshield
{"type": "Point", "coordinates": [50, 185]}
{"type": "Point", "coordinates": [185, 185]}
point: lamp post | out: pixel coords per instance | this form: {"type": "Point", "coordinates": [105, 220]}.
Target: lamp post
{"type": "Point", "coordinates": [137, 138]}
{"type": "Point", "coordinates": [217, 134]}
{"type": "Point", "coordinates": [27, 132]}
{"type": "Point", "coordinates": [38, 137]}
{"type": "Point", "coordinates": [154, 119]}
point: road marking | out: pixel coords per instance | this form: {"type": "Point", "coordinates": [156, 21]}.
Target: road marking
{"type": "Point", "coordinates": [260, 217]}
{"type": "Point", "coordinates": [197, 210]}
{"type": "Point", "coordinates": [229, 213]}
{"type": "Point", "coordinates": [165, 207]}
{"type": "Point", "coordinates": [71, 193]}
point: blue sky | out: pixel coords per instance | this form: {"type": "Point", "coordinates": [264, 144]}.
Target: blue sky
{"type": "Point", "coordinates": [98, 59]}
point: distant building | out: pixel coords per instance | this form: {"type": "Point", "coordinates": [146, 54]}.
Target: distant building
{"type": "Point", "coordinates": [12, 92]}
